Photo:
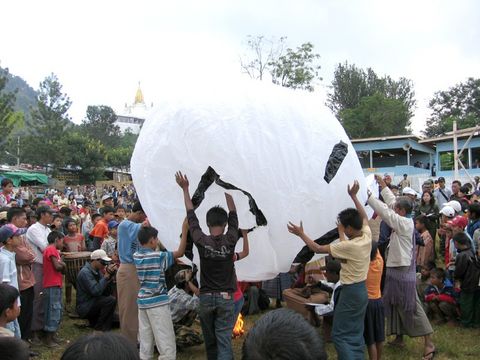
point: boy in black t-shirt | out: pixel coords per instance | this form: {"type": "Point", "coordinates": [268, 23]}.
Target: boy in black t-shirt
{"type": "Point", "coordinates": [217, 272]}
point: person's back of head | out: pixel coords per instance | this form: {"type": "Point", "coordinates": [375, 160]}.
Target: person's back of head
{"type": "Point", "coordinates": [106, 346]}
{"type": "Point", "coordinates": [12, 348]}
{"type": "Point", "coordinates": [404, 203]}
{"type": "Point", "coordinates": [217, 216]}
{"type": "Point", "coordinates": [8, 298]}
{"type": "Point", "coordinates": [461, 239]}
{"type": "Point", "coordinates": [351, 218]}
{"type": "Point", "coordinates": [474, 211]}
{"type": "Point", "coordinates": [283, 334]}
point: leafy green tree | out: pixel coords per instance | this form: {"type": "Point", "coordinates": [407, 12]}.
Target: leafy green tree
{"type": "Point", "coordinates": [87, 153]}
{"type": "Point", "coordinates": [350, 84]}
{"type": "Point", "coordinates": [460, 102]}
{"type": "Point", "coordinates": [261, 53]}
{"type": "Point", "coordinates": [296, 69]}
{"type": "Point", "coordinates": [100, 125]}
{"type": "Point", "coordinates": [9, 118]}
{"type": "Point", "coordinates": [375, 116]}
{"type": "Point", "coordinates": [120, 157]}
{"type": "Point", "coordinates": [49, 122]}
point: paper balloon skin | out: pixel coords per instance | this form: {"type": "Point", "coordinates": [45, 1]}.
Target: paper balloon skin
{"type": "Point", "coordinates": [271, 142]}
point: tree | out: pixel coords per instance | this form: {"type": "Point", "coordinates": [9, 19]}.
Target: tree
{"type": "Point", "coordinates": [49, 122]}
{"type": "Point", "coordinates": [376, 115]}
{"type": "Point", "coordinates": [9, 119]}
{"type": "Point", "coordinates": [350, 84]}
{"type": "Point", "coordinates": [120, 157]}
{"type": "Point", "coordinates": [100, 125]}
{"type": "Point", "coordinates": [460, 102]}
{"type": "Point", "coordinates": [262, 52]}
{"type": "Point", "coordinates": [296, 69]}
{"type": "Point", "coordinates": [87, 153]}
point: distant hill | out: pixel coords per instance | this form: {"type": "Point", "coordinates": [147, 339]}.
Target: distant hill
{"type": "Point", "coordinates": [26, 97]}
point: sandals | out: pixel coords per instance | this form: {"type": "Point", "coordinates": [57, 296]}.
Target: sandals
{"type": "Point", "coordinates": [430, 355]}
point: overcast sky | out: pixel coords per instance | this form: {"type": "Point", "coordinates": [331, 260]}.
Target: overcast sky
{"type": "Point", "coordinates": [101, 49]}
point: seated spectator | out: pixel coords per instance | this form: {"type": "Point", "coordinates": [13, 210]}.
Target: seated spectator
{"type": "Point", "coordinates": [107, 346]}
{"type": "Point", "coordinates": [283, 334]}
{"type": "Point", "coordinates": [94, 299]}
{"type": "Point", "coordinates": [423, 280]}
{"type": "Point", "coordinates": [184, 304]}
{"type": "Point", "coordinates": [467, 271]}
{"type": "Point", "coordinates": [440, 298]}
{"type": "Point", "coordinates": [332, 273]}
{"type": "Point", "coordinates": [9, 308]}
{"type": "Point", "coordinates": [12, 348]}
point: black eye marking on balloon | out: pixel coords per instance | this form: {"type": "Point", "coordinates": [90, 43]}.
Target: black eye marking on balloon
{"type": "Point", "coordinates": [209, 177]}
{"type": "Point", "coordinates": [338, 154]}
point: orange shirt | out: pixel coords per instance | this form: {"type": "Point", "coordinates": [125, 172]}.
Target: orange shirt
{"type": "Point", "coordinates": [374, 277]}
{"type": "Point", "coordinates": [100, 230]}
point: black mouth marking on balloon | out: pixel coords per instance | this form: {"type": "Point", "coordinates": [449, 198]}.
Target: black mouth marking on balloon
{"type": "Point", "coordinates": [209, 177]}
{"type": "Point", "coordinates": [339, 152]}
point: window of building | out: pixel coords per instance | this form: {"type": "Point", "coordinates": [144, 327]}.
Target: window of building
{"type": "Point", "coordinates": [446, 160]}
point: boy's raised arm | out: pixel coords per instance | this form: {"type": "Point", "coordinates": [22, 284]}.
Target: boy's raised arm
{"type": "Point", "coordinates": [183, 242]}
{"type": "Point", "coordinates": [352, 191]}
{"type": "Point", "coordinates": [230, 202]}
{"type": "Point", "coordinates": [182, 181]}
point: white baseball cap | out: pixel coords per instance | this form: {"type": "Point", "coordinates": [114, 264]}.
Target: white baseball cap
{"type": "Point", "coordinates": [448, 211]}
{"type": "Point", "coordinates": [409, 191]}
{"type": "Point", "coordinates": [455, 205]}
{"type": "Point", "coordinates": [107, 196]}
{"type": "Point", "coordinates": [99, 255]}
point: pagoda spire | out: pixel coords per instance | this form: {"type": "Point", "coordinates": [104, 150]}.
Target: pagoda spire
{"type": "Point", "coordinates": [139, 96]}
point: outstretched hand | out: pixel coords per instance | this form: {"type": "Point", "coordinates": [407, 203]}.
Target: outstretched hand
{"type": "Point", "coordinates": [353, 190]}
{"type": "Point", "coordinates": [295, 229]}
{"type": "Point", "coordinates": [181, 180]}
{"type": "Point", "coordinates": [380, 181]}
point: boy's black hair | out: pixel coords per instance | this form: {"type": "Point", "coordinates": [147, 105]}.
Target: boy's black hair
{"type": "Point", "coordinates": [53, 236]}
{"type": "Point", "coordinates": [106, 346]}
{"type": "Point", "coordinates": [43, 210]}
{"type": "Point", "coordinates": [146, 233]}
{"type": "Point", "coordinates": [12, 348]}
{"type": "Point", "coordinates": [14, 212]}
{"type": "Point", "coordinates": [120, 207]}
{"type": "Point", "coordinates": [65, 210]}
{"type": "Point", "coordinates": [96, 215]}
{"type": "Point", "coordinates": [68, 222]}
{"type": "Point", "coordinates": [474, 209]}
{"type": "Point", "coordinates": [283, 334]}
{"type": "Point", "coordinates": [464, 189]}
{"type": "Point", "coordinates": [422, 219]}
{"type": "Point", "coordinates": [404, 203]}
{"type": "Point", "coordinates": [6, 181]}
{"type": "Point", "coordinates": [8, 296]}
{"type": "Point", "coordinates": [457, 182]}
{"type": "Point", "coordinates": [351, 217]}
{"type": "Point", "coordinates": [217, 216]}
{"type": "Point", "coordinates": [430, 265]}
{"type": "Point", "coordinates": [438, 273]}
{"type": "Point", "coordinates": [461, 238]}
{"type": "Point", "coordinates": [108, 209]}
{"type": "Point", "coordinates": [137, 207]}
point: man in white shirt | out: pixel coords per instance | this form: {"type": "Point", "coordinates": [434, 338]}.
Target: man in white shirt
{"type": "Point", "coordinates": [37, 237]}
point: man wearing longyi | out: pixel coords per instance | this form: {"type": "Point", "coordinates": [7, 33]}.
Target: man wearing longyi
{"type": "Point", "coordinates": [127, 280]}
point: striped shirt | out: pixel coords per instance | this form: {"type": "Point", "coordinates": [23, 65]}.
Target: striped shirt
{"type": "Point", "coordinates": [151, 266]}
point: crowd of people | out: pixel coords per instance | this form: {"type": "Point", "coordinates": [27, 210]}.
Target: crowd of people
{"type": "Point", "coordinates": [423, 268]}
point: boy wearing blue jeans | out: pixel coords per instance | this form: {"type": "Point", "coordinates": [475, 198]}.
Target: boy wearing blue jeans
{"type": "Point", "coordinates": [217, 272]}
{"type": "Point", "coordinates": [53, 268]}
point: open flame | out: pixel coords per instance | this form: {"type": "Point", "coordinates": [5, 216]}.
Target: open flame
{"type": "Point", "coordinates": [238, 328]}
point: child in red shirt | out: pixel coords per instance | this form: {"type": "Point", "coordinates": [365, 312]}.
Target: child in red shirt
{"type": "Point", "coordinates": [53, 267]}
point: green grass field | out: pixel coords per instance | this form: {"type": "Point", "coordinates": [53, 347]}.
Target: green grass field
{"type": "Point", "coordinates": [451, 343]}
